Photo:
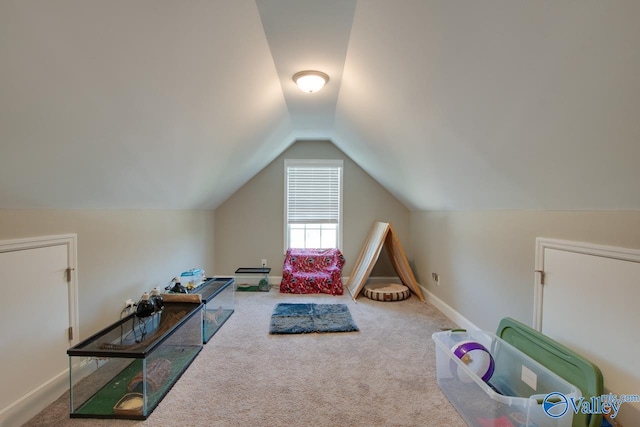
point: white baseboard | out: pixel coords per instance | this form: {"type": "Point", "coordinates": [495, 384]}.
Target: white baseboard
{"type": "Point", "coordinates": [275, 280]}
{"type": "Point", "coordinates": [448, 311]}
{"type": "Point", "coordinates": [443, 307]}
{"type": "Point", "coordinates": [30, 405]}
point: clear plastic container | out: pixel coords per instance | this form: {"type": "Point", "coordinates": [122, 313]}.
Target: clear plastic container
{"type": "Point", "coordinates": [514, 393]}
{"type": "Point", "coordinates": [192, 279]}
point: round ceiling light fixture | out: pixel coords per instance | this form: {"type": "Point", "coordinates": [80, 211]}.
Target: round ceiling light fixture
{"type": "Point", "coordinates": [310, 81]}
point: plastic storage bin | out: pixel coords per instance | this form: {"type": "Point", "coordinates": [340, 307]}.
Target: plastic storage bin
{"type": "Point", "coordinates": [515, 392]}
{"type": "Point", "coordinates": [566, 363]}
{"type": "Point", "coordinates": [193, 278]}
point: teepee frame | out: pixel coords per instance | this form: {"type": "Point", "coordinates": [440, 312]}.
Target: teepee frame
{"type": "Point", "coordinates": [381, 234]}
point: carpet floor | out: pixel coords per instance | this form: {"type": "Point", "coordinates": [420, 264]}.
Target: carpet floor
{"type": "Point", "coordinates": [383, 375]}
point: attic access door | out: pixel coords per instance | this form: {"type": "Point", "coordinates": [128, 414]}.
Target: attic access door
{"type": "Point", "coordinates": [586, 299]}
{"type": "Point", "coordinates": [39, 312]}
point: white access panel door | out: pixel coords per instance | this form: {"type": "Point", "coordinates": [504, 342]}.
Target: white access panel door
{"type": "Point", "coordinates": [589, 303]}
{"type": "Point", "coordinates": [35, 316]}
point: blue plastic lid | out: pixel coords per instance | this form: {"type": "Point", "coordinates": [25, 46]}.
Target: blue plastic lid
{"type": "Point", "coordinates": [193, 272]}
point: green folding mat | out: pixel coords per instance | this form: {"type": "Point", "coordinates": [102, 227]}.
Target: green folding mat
{"type": "Point", "coordinates": [564, 362]}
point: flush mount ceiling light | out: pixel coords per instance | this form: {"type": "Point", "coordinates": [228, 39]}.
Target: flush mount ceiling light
{"type": "Point", "coordinates": [310, 81]}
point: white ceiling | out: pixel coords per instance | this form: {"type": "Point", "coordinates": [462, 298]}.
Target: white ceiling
{"type": "Point", "coordinates": [450, 105]}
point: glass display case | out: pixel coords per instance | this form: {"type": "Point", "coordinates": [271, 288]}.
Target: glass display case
{"type": "Point", "coordinates": [218, 298]}
{"type": "Point", "coordinates": [126, 369]}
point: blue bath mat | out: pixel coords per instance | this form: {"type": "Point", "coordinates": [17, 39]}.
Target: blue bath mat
{"type": "Point", "coordinates": [307, 318]}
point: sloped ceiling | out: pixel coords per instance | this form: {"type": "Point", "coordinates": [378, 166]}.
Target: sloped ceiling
{"type": "Point", "coordinates": [450, 105]}
{"type": "Point", "coordinates": [135, 104]}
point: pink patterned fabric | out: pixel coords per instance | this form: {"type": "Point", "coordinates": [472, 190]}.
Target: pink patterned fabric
{"type": "Point", "coordinates": [312, 271]}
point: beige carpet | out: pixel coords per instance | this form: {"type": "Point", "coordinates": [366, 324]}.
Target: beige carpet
{"type": "Point", "coordinates": [383, 375]}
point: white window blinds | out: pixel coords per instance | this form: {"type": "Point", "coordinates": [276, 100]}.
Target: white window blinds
{"type": "Point", "coordinates": [313, 192]}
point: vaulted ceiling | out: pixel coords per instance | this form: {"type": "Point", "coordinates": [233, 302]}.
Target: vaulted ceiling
{"type": "Point", "coordinates": [158, 104]}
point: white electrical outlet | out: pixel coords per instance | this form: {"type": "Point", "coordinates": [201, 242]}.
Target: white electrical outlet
{"type": "Point", "coordinates": [436, 278]}
{"type": "Point", "coordinates": [264, 262]}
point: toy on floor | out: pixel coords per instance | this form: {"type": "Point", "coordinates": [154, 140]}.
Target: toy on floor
{"type": "Point", "coordinates": [496, 422]}
{"type": "Point", "coordinates": [476, 357]}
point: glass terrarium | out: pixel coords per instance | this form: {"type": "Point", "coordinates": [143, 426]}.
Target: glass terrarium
{"type": "Point", "coordinates": [218, 298]}
{"type": "Point", "coordinates": [251, 279]}
{"type": "Point", "coordinates": [125, 370]}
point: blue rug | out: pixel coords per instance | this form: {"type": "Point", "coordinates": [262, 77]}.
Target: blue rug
{"type": "Point", "coordinates": [308, 318]}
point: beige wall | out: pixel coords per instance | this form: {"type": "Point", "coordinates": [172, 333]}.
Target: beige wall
{"type": "Point", "coordinates": [486, 259]}
{"type": "Point", "coordinates": [250, 224]}
{"type": "Point", "coordinates": [121, 253]}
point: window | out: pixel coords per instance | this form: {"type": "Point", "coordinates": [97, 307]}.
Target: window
{"type": "Point", "coordinates": [313, 203]}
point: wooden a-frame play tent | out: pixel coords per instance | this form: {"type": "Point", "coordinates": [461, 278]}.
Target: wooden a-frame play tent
{"type": "Point", "coordinates": [381, 234]}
